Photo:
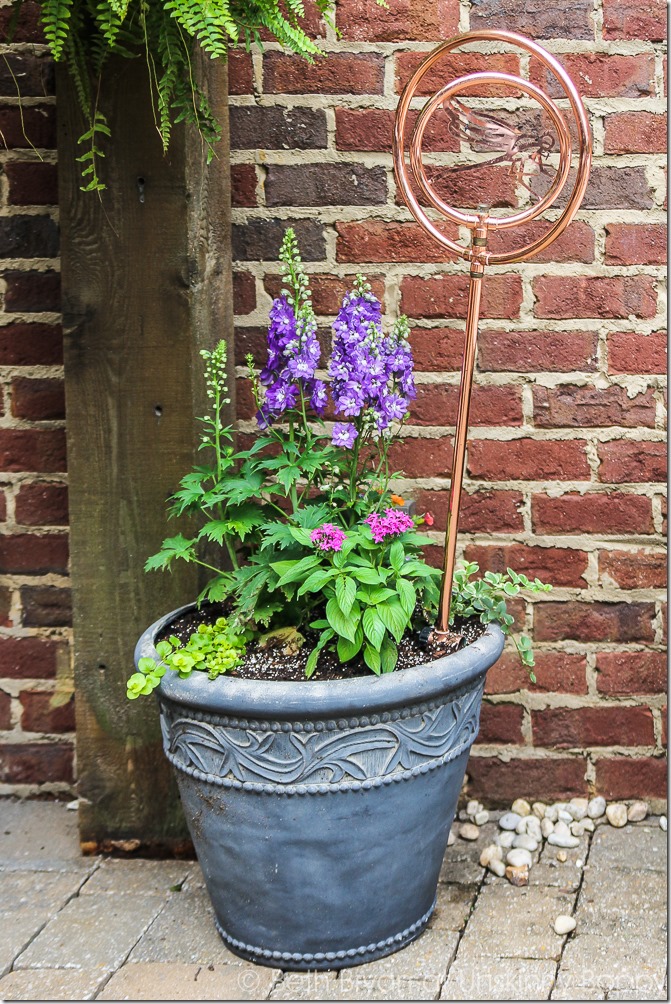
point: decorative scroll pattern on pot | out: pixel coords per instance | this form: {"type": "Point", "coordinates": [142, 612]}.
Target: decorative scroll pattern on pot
{"type": "Point", "coordinates": [316, 757]}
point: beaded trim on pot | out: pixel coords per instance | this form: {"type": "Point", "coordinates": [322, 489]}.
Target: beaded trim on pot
{"type": "Point", "coordinates": [320, 757]}
{"type": "Point", "coordinates": [320, 958]}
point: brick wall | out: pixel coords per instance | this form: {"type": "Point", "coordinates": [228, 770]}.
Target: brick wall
{"type": "Point", "coordinates": [566, 450]}
{"type": "Point", "coordinates": [566, 454]}
{"type": "Point", "coordinates": [36, 706]}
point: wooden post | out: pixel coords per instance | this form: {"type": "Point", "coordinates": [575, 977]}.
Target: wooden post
{"type": "Point", "coordinates": [146, 284]}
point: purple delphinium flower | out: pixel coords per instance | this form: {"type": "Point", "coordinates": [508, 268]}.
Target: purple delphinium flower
{"type": "Point", "coordinates": [392, 524]}
{"type": "Point", "coordinates": [293, 357]}
{"type": "Point", "coordinates": [328, 537]}
{"type": "Point", "coordinates": [344, 434]}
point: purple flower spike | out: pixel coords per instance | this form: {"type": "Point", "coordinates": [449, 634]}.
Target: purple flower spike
{"type": "Point", "coordinates": [328, 537]}
{"type": "Point", "coordinates": [344, 434]}
{"type": "Point", "coordinates": [392, 524]}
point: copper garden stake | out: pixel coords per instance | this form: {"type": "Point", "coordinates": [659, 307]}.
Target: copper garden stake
{"type": "Point", "coordinates": [528, 150]}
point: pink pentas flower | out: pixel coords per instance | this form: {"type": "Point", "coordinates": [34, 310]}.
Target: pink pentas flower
{"type": "Point", "coordinates": [328, 537]}
{"type": "Point", "coordinates": [392, 524]}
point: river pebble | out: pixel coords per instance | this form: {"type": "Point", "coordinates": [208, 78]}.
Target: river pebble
{"type": "Point", "coordinates": [497, 867]}
{"type": "Point", "coordinates": [637, 812]}
{"type": "Point", "coordinates": [481, 817]}
{"type": "Point", "coordinates": [596, 807]}
{"type": "Point", "coordinates": [557, 840]}
{"type": "Point", "coordinates": [522, 825]}
{"type": "Point", "coordinates": [521, 807]}
{"type": "Point", "coordinates": [518, 857]}
{"type": "Point", "coordinates": [565, 816]}
{"type": "Point", "coordinates": [587, 824]}
{"type": "Point", "coordinates": [663, 823]}
{"type": "Point", "coordinates": [578, 808]}
{"type": "Point", "coordinates": [562, 856]}
{"type": "Point", "coordinates": [524, 840]}
{"type": "Point", "coordinates": [547, 826]}
{"type": "Point", "coordinates": [468, 831]}
{"type": "Point", "coordinates": [505, 838]}
{"type": "Point", "coordinates": [534, 828]}
{"type": "Point", "coordinates": [561, 829]}
{"type": "Point", "coordinates": [564, 924]}
{"type": "Point", "coordinates": [452, 838]}
{"type": "Point", "coordinates": [538, 809]}
{"type": "Point", "coordinates": [616, 813]}
{"type": "Point", "coordinates": [491, 853]}
{"type": "Point", "coordinates": [577, 829]}
{"type": "Point", "coordinates": [552, 813]}
{"type": "Point", "coordinates": [472, 807]}
{"type": "Point", "coordinates": [518, 874]}
{"type": "Point", "coordinates": [509, 820]}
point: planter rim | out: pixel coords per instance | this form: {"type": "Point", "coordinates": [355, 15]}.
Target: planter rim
{"type": "Point", "coordinates": [285, 700]}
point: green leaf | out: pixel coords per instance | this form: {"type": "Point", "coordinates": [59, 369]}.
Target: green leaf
{"type": "Point", "coordinates": [373, 627]}
{"type": "Point", "coordinates": [394, 619]}
{"type": "Point", "coordinates": [397, 556]}
{"type": "Point", "coordinates": [368, 575]}
{"type": "Point", "coordinates": [388, 655]}
{"type": "Point", "coordinates": [311, 664]}
{"type": "Point", "coordinates": [344, 624]}
{"type": "Point", "coordinates": [372, 658]}
{"type": "Point", "coordinates": [345, 590]}
{"type": "Point", "coordinates": [407, 595]}
{"type": "Point", "coordinates": [171, 548]}
{"type": "Point", "coordinates": [316, 582]}
{"type": "Point", "coordinates": [297, 570]}
{"type": "Point", "coordinates": [348, 649]}
{"type": "Point", "coordinates": [301, 535]}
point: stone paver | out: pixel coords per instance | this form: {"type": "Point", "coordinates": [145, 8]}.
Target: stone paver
{"type": "Point", "coordinates": [170, 981]}
{"type": "Point", "coordinates": [74, 928]}
{"type": "Point", "coordinates": [51, 985]}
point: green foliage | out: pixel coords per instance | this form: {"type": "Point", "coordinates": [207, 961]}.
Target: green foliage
{"type": "Point", "coordinates": [164, 34]}
{"type": "Point", "coordinates": [486, 598]}
{"type": "Point", "coordinates": [213, 649]}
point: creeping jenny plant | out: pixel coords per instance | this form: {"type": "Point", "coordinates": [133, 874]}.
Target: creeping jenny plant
{"type": "Point", "coordinates": [316, 545]}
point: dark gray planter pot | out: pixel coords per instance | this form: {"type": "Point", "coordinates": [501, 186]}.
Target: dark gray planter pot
{"type": "Point", "coordinates": [320, 811]}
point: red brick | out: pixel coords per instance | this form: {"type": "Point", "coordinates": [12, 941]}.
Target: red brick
{"type": "Point", "coordinates": [498, 782]}
{"type": "Point", "coordinates": [28, 27]}
{"type": "Point", "coordinates": [454, 65]}
{"type": "Point", "coordinates": [28, 126]}
{"type": "Point", "coordinates": [243, 185]}
{"type": "Point", "coordinates": [629, 777]}
{"type": "Point", "coordinates": [633, 569]}
{"type": "Point", "coordinates": [437, 349]}
{"type": "Point", "coordinates": [665, 724]}
{"type": "Point", "coordinates": [626, 673]}
{"type": "Point", "coordinates": [32, 450]}
{"type": "Point", "coordinates": [32, 183]}
{"type": "Point", "coordinates": [42, 503]}
{"type": "Point", "coordinates": [5, 606]}
{"type": "Point", "coordinates": [483, 511]}
{"type": "Point", "coordinates": [33, 554]}
{"type": "Point", "coordinates": [635, 132]}
{"type": "Point", "coordinates": [41, 713]}
{"type": "Point", "coordinates": [639, 21]}
{"type": "Point", "coordinates": [528, 460]}
{"type": "Point", "coordinates": [31, 345]}
{"type": "Point", "coordinates": [3, 507]}
{"type": "Point", "coordinates": [568, 728]}
{"type": "Point", "coordinates": [46, 606]}
{"type": "Point", "coordinates": [371, 129]}
{"type": "Point", "coordinates": [244, 293]}
{"type": "Point", "coordinates": [447, 296]}
{"type": "Point", "coordinates": [600, 75]}
{"type": "Point", "coordinates": [325, 184]}
{"type": "Point", "coordinates": [5, 710]}
{"type": "Point", "coordinates": [32, 291]}
{"type": "Point", "coordinates": [573, 407]}
{"type": "Point", "coordinates": [632, 352]}
{"type": "Point", "coordinates": [38, 399]}
{"type": "Point", "coordinates": [240, 72]}
{"type": "Point", "coordinates": [574, 621]}
{"type": "Point", "coordinates": [537, 351]}
{"type": "Point", "coordinates": [245, 406]}
{"type": "Point", "coordinates": [571, 19]}
{"type": "Point", "coordinates": [31, 658]}
{"type": "Point", "coordinates": [635, 244]}
{"type": "Point", "coordinates": [555, 672]}
{"type": "Point", "coordinates": [616, 188]}
{"type": "Point", "coordinates": [401, 21]}
{"type": "Point", "coordinates": [386, 242]}
{"type": "Point", "coordinates": [436, 404]}
{"type": "Point", "coordinates": [560, 566]}
{"type": "Point", "coordinates": [594, 296]}
{"type": "Point", "coordinates": [422, 458]}
{"type": "Point", "coordinates": [500, 723]}
{"type": "Point", "coordinates": [340, 73]}
{"type": "Point", "coordinates": [494, 185]}
{"type": "Point", "coordinates": [595, 512]}
{"type": "Point", "coordinates": [627, 461]}
{"type": "Point", "coordinates": [260, 239]}
{"type": "Point", "coordinates": [575, 244]}
{"type": "Point", "coordinates": [327, 290]}
{"type": "Point", "coordinates": [36, 763]}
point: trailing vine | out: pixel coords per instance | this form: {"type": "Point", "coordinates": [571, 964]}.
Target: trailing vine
{"type": "Point", "coordinates": [84, 34]}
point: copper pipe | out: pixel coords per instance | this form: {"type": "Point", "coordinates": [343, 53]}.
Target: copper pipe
{"type": "Point", "coordinates": [481, 224]}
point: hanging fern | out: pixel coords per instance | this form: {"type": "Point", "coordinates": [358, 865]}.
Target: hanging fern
{"type": "Point", "coordinates": [85, 33]}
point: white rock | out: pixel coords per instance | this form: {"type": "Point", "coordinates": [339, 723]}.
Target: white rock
{"type": "Point", "coordinates": [463, 816]}
{"type": "Point", "coordinates": [524, 840]}
{"type": "Point", "coordinates": [509, 820]}
{"type": "Point", "coordinates": [564, 924]}
{"type": "Point", "coordinates": [534, 828]}
{"type": "Point", "coordinates": [578, 808]}
{"type": "Point", "coordinates": [481, 817]}
{"type": "Point", "coordinates": [538, 809]}
{"type": "Point", "coordinates": [73, 806]}
{"type": "Point", "coordinates": [560, 805]}
{"type": "Point", "coordinates": [491, 853]}
{"type": "Point", "coordinates": [552, 814]}
{"type": "Point", "coordinates": [452, 838]}
{"type": "Point", "coordinates": [519, 857]}
{"type": "Point", "coordinates": [560, 841]}
{"type": "Point", "coordinates": [562, 856]}
{"type": "Point", "coordinates": [617, 814]}
{"type": "Point", "coordinates": [565, 816]}
{"type": "Point", "coordinates": [596, 807]}
{"type": "Point", "coordinates": [521, 807]}
{"type": "Point", "coordinates": [472, 807]}
{"type": "Point", "coordinates": [561, 829]}
{"type": "Point", "coordinates": [505, 839]}
{"type": "Point", "coordinates": [587, 824]}
{"type": "Point", "coordinates": [663, 823]}
{"type": "Point", "coordinates": [522, 825]}
{"type": "Point", "coordinates": [579, 863]}
{"type": "Point", "coordinates": [577, 829]}
{"type": "Point", "coordinates": [497, 867]}
{"type": "Point", "coordinates": [547, 826]}
{"type": "Point", "coordinates": [468, 831]}
{"type": "Point", "coordinates": [637, 812]}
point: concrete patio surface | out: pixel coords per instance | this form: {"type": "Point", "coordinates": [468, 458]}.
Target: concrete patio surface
{"type": "Point", "coordinates": [75, 928]}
